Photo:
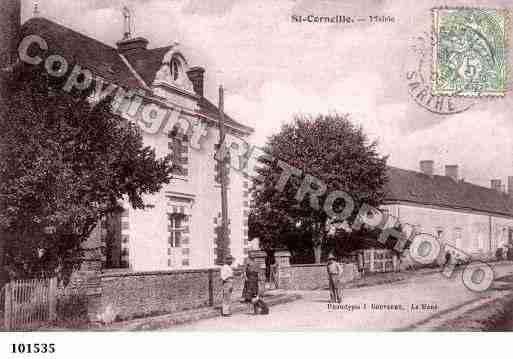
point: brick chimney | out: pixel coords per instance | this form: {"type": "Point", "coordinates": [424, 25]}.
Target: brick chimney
{"type": "Point", "coordinates": [10, 25]}
{"type": "Point", "coordinates": [427, 167]}
{"type": "Point", "coordinates": [452, 172]}
{"type": "Point", "coordinates": [510, 185]}
{"type": "Point", "coordinates": [496, 185]}
{"type": "Point", "coordinates": [132, 46]}
{"type": "Point", "coordinates": [197, 77]}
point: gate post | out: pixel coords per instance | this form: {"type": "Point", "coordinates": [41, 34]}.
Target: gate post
{"type": "Point", "coordinates": [52, 299]}
{"type": "Point", "coordinates": [371, 252]}
{"type": "Point", "coordinates": [8, 306]}
{"type": "Point", "coordinates": [283, 263]}
{"type": "Point", "coordinates": [259, 257]}
{"type": "Point", "coordinates": [211, 301]}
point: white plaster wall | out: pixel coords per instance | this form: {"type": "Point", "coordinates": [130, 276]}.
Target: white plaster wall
{"type": "Point", "coordinates": [148, 235]}
{"type": "Point", "coordinates": [475, 227]}
{"type": "Point", "coordinates": [149, 228]}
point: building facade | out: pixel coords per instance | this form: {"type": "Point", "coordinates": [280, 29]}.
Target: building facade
{"type": "Point", "coordinates": [470, 219]}
{"type": "Point", "coordinates": [180, 228]}
{"type": "Point", "coordinates": [164, 94]}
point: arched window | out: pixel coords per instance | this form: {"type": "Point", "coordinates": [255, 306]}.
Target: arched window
{"type": "Point", "coordinates": [175, 68]}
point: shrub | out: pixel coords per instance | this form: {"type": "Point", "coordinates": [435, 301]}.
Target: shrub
{"type": "Point", "coordinates": [109, 315]}
{"type": "Point", "coordinates": [499, 253]}
{"type": "Point", "coordinates": [72, 310]}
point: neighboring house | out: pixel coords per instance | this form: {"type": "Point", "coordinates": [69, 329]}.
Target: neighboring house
{"type": "Point", "coordinates": [474, 219]}
{"type": "Point", "coordinates": [179, 229]}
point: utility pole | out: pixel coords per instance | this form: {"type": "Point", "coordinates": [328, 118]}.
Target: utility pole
{"type": "Point", "coordinates": [224, 252]}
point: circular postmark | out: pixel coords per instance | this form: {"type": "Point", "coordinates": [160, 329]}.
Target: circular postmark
{"type": "Point", "coordinates": [418, 76]}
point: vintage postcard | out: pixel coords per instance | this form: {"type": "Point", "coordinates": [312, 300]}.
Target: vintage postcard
{"type": "Point", "coordinates": [186, 165]}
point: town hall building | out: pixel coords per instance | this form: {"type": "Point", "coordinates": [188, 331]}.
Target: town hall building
{"type": "Point", "coordinates": [180, 227]}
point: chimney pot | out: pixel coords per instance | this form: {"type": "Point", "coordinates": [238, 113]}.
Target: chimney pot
{"type": "Point", "coordinates": [496, 185]}
{"type": "Point", "coordinates": [510, 185]}
{"type": "Point", "coordinates": [197, 77]}
{"type": "Point", "coordinates": [427, 167]}
{"type": "Point", "coordinates": [132, 46]}
{"type": "Point", "coordinates": [452, 172]}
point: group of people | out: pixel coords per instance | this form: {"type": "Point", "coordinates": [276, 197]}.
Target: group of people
{"type": "Point", "coordinates": [250, 292]}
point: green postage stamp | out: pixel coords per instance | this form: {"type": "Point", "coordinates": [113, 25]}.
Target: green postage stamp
{"type": "Point", "coordinates": [469, 52]}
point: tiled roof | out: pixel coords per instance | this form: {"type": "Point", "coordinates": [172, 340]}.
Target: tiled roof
{"type": "Point", "coordinates": [207, 108]}
{"type": "Point", "coordinates": [76, 48]}
{"type": "Point", "coordinates": [147, 63]}
{"type": "Point", "coordinates": [105, 61]}
{"type": "Point", "coordinates": [411, 186]}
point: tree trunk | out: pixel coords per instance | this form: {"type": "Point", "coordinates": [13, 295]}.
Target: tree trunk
{"type": "Point", "coordinates": [2, 246]}
{"type": "Point", "coordinates": [317, 252]}
{"type": "Point", "coordinates": [318, 237]}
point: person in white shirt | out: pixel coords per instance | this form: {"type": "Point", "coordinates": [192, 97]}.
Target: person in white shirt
{"type": "Point", "coordinates": [227, 278]}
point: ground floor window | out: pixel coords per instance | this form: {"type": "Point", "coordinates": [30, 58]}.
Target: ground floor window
{"type": "Point", "coordinates": [116, 242]}
{"type": "Point", "coordinates": [456, 237]}
{"type": "Point", "coordinates": [179, 218]}
{"type": "Point", "coordinates": [176, 229]}
{"type": "Point", "coordinates": [440, 234]}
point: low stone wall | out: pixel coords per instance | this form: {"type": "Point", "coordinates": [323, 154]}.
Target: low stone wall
{"type": "Point", "coordinates": [137, 294]}
{"type": "Point", "coordinates": [127, 295]}
{"type": "Point", "coordinates": [312, 276]}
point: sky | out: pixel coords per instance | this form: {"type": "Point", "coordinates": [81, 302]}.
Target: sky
{"type": "Point", "coordinates": [273, 68]}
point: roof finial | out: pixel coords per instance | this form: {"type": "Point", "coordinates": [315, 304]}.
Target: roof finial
{"type": "Point", "coordinates": [36, 8]}
{"type": "Point", "coordinates": [128, 23]}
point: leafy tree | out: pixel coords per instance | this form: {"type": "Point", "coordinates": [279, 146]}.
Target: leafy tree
{"type": "Point", "coordinates": [331, 149]}
{"type": "Point", "coordinates": [66, 163]}
{"type": "Point", "coordinates": [344, 241]}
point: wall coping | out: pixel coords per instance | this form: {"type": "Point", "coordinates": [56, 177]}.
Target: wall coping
{"type": "Point", "coordinates": [158, 272]}
{"type": "Point", "coordinates": [314, 265]}
{"type": "Point", "coordinates": [308, 265]}
{"type": "Point", "coordinates": [118, 274]}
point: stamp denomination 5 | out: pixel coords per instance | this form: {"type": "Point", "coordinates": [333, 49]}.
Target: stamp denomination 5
{"type": "Point", "coordinates": [469, 52]}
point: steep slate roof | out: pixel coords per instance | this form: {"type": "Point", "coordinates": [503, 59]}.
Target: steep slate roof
{"type": "Point", "coordinates": [76, 48]}
{"type": "Point", "coordinates": [147, 63]}
{"type": "Point", "coordinates": [105, 61]}
{"type": "Point", "coordinates": [411, 186]}
{"type": "Point", "coordinates": [207, 108]}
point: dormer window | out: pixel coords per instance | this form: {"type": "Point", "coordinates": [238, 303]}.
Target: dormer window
{"type": "Point", "coordinates": [176, 69]}
{"type": "Point", "coordinates": [173, 72]}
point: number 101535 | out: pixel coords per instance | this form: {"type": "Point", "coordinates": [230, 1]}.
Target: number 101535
{"type": "Point", "coordinates": [36, 348]}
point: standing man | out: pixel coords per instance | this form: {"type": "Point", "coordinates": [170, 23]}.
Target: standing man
{"type": "Point", "coordinates": [227, 278]}
{"type": "Point", "coordinates": [334, 274]}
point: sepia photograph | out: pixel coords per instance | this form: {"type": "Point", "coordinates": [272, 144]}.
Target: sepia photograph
{"type": "Point", "coordinates": [178, 166]}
